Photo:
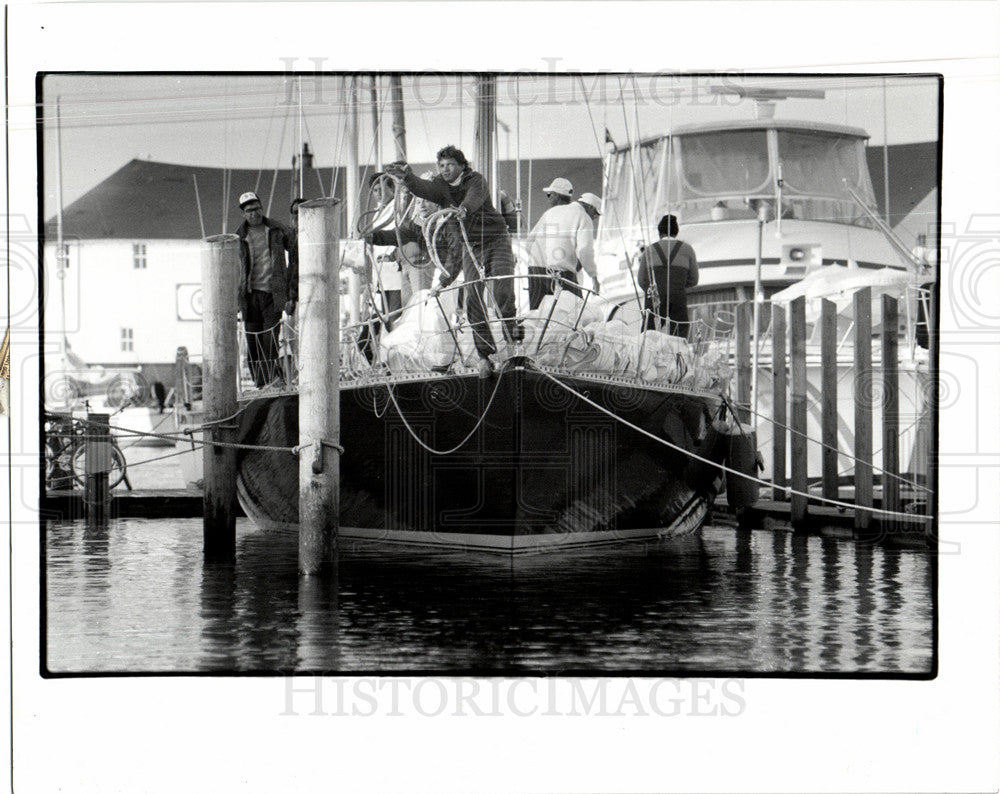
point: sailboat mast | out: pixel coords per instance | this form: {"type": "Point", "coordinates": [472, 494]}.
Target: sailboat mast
{"type": "Point", "coordinates": [376, 127]}
{"type": "Point", "coordinates": [302, 169]}
{"type": "Point", "coordinates": [351, 159]}
{"type": "Point", "coordinates": [486, 120]}
{"type": "Point", "coordinates": [398, 121]}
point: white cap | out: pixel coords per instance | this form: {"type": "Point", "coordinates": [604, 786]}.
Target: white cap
{"type": "Point", "coordinates": [592, 200]}
{"type": "Point", "coordinates": [561, 186]}
{"type": "Point", "coordinates": [247, 197]}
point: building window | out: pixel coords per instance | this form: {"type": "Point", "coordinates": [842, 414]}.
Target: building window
{"type": "Point", "coordinates": [127, 341]}
{"type": "Point", "coordinates": [139, 256]}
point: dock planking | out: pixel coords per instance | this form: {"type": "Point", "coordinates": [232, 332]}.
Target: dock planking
{"type": "Point", "coordinates": [145, 503]}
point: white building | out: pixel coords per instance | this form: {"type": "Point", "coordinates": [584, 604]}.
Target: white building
{"type": "Point", "coordinates": [131, 291]}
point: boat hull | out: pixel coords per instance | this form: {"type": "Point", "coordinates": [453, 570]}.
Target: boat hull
{"type": "Point", "coordinates": [514, 463]}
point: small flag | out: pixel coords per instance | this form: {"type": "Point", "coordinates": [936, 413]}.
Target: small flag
{"type": "Point", "coordinates": [608, 138]}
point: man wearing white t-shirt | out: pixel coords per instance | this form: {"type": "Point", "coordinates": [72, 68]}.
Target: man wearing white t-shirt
{"type": "Point", "coordinates": [561, 244]}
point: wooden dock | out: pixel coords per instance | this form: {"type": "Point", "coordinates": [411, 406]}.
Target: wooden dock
{"type": "Point", "coordinates": [69, 505]}
{"type": "Point", "coordinates": [915, 531]}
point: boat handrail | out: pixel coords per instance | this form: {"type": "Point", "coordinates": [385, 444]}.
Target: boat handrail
{"type": "Point", "coordinates": [883, 227]}
{"type": "Point", "coordinates": [567, 333]}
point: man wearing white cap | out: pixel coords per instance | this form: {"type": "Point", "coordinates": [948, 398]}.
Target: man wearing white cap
{"type": "Point", "coordinates": [561, 244]}
{"type": "Point", "coordinates": [265, 285]}
{"type": "Point", "coordinates": [559, 192]}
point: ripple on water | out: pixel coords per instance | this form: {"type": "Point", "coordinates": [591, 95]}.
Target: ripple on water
{"type": "Point", "coordinates": [136, 597]}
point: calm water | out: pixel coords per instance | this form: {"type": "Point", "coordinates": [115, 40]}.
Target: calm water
{"type": "Point", "coordinates": [136, 597]}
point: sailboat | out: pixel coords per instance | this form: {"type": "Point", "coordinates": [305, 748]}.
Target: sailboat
{"type": "Point", "coordinates": [590, 432]}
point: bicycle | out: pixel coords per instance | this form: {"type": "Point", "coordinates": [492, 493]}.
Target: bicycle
{"type": "Point", "coordinates": [66, 451]}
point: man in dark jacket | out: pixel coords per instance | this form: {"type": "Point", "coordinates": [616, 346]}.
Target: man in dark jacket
{"type": "Point", "coordinates": [266, 286]}
{"type": "Point", "coordinates": [457, 185]}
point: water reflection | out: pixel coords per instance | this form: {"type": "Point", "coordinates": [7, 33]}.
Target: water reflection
{"type": "Point", "coordinates": [137, 597]}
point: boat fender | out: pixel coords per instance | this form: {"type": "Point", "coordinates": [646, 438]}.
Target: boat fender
{"type": "Point", "coordinates": [743, 458]}
{"type": "Point", "coordinates": [715, 448]}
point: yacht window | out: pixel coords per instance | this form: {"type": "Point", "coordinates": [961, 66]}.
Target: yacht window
{"type": "Point", "coordinates": [817, 165]}
{"type": "Point", "coordinates": [725, 163]}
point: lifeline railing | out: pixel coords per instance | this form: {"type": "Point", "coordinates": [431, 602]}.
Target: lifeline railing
{"type": "Point", "coordinates": [570, 333]}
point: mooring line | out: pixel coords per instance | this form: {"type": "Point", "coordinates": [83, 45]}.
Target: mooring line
{"type": "Point", "coordinates": [839, 452]}
{"type": "Point", "coordinates": [723, 467]}
{"type": "Point", "coordinates": [464, 440]}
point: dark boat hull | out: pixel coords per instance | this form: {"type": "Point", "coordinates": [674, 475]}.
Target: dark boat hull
{"type": "Point", "coordinates": [544, 469]}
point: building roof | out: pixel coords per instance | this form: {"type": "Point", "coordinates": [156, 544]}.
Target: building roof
{"type": "Point", "coordinates": [148, 200]}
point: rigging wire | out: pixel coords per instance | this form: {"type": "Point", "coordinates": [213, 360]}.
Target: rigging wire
{"type": "Point", "coordinates": [277, 164]}
{"type": "Point", "coordinates": [319, 175]}
{"type": "Point", "coordinates": [604, 158]}
{"type": "Point", "coordinates": [267, 141]}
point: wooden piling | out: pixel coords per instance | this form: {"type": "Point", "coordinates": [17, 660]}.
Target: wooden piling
{"type": "Point", "coordinates": [97, 464]}
{"type": "Point", "coordinates": [319, 384]}
{"type": "Point", "coordinates": [934, 373]}
{"type": "Point", "coordinates": [779, 389]}
{"type": "Point", "coordinates": [800, 452]}
{"type": "Point", "coordinates": [864, 389]}
{"type": "Point", "coordinates": [220, 276]}
{"type": "Point", "coordinates": [890, 406]}
{"type": "Point", "coordinates": [744, 374]}
{"type": "Point", "coordinates": [828, 364]}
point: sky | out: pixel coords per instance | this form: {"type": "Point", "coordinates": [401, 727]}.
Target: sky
{"type": "Point", "coordinates": [257, 121]}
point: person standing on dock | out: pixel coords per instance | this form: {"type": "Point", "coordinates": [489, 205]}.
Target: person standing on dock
{"type": "Point", "coordinates": [487, 254]}
{"type": "Point", "coordinates": [562, 244]}
{"type": "Point", "coordinates": [264, 285]}
{"type": "Point", "coordinates": [666, 269]}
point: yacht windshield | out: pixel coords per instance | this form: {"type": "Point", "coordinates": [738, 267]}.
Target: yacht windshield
{"type": "Point", "coordinates": [818, 169]}
{"type": "Point", "coordinates": [724, 164]}
{"type": "Point", "coordinates": [729, 175]}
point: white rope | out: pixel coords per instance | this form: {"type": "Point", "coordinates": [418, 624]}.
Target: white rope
{"type": "Point", "coordinates": [839, 452]}
{"type": "Point", "coordinates": [721, 466]}
{"type": "Point", "coordinates": [460, 443]}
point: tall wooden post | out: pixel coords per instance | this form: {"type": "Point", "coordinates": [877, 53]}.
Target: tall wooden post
{"type": "Point", "coordinates": [486, 122]}
{"type": "Point", "coordinates": [864, 388]}
{"type": "Point", "coordinates": [779, 390]}
{"type": "Point", "coordinates": [890, 405]}
{"type": "Point", "coordinates": [376, 126]}
{"type": "Point", "coordinates": [220, 275]}
{"type": "Point", "coordinates": [398, 118]}
{"type": "Point", "coordinates": [800, 452]}
{"type": "Point", "coordinates": [933, 371]}
{"type": "Point", "coordinates": [319, 383]}
{"type": "Point", "coordinates": [828, 363]}
{"type": "Point", "coordinates": [352, 177]}
{"type": "Point", "coordinates": [97, 464]}
{"type": "Point", "coordinates": [744, 374]}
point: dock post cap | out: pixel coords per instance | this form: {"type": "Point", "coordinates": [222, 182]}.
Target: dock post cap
{"type": "Point", "coordinates": [320, 202]}
{"type": "Point", "coordinates": [221, 238]}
